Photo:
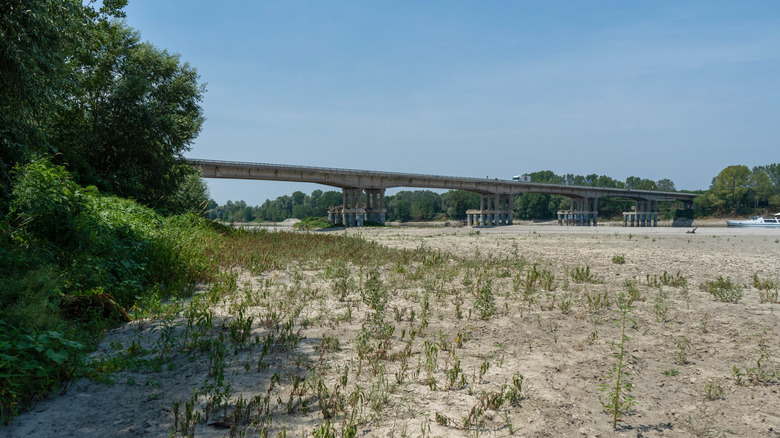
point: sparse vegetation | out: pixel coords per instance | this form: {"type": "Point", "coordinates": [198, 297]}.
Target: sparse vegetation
{"type": "Point", "coordinates": [723, 290]}
{"type": "Point", "coordinates": [335, 330]}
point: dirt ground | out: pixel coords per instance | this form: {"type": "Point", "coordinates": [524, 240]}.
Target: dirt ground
{"type": "Point", "coordinates": [699, 367]}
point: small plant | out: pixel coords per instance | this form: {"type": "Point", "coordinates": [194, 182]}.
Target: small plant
{"type": "Point", "coordinates": [616, 395]}
{"type": "Point", "coordinates": [633, 291]}
{"type": "Point", "coordinates": [713, 390]}
{"type": "Point", "coordinates": [660, 309]}
{"type": "Point", "coordinates": [485, 305]}
{"type": "Point", "coordinates": [766, 294]}
{"type": "Point", "coordinates": [723, 290]}
{"type": "Point", "coordinates": [565, 303]}
{"type": "Point", "coordinates": [582, 275]}
{"type": "Point", "coordinates": [766, 284]}
{"type": "Point", "coordinates": [676, 280]}
{"type": "Point", "coordinates": [705, 320]}
{"type": "Point", "coordinates": [683, 348]}
{"type": "Point", "coordinates": [618, 259]}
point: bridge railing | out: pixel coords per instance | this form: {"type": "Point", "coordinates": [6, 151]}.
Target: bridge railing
{"type": "Point", "coordinates": [351, 171]}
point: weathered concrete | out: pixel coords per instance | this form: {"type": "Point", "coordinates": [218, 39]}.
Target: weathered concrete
{"type": "Point", "coordinates": [496, 195]}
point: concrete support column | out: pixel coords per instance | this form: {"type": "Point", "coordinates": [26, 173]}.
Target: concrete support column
{"type": "Point", "coordinates": [511, 209]}
{"type": "Point", "coordinates": [497, 210]}
{"type": "Point", "coordinates": [636, 213]}
{"type": "Point", "coordinates": [382, 209]}
{"type": "Point", "coordinates": [655, 213]}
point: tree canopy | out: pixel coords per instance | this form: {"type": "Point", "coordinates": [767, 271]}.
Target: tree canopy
{"type": "Point", "coordinates": [79, 85]}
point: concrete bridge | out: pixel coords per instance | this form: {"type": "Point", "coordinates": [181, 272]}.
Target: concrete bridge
{"type": "Point", "coordinates": [364, 193]}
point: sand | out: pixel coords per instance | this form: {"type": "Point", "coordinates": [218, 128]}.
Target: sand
{"type": "Point", "coordinates": [564, 357]}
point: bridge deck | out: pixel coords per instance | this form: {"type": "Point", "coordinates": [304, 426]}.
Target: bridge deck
{"type": "Point", "coordinates": [367, 179]}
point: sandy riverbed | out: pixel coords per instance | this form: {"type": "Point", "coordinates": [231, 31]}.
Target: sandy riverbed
{"type": "Point", "coordinates": [563, 355]}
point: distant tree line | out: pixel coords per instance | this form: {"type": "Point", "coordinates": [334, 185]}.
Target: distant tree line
{"type": "Point", "coordinates": [738, 187]}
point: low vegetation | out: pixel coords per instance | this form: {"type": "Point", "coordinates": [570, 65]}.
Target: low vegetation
{"type": "Point", "coordinates": [72, 261]}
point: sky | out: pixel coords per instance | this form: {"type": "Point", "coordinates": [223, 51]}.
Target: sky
{"type": "Point", "coordinates": [661, 89]}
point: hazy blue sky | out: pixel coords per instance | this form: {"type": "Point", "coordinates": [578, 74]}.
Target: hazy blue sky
{"type": "Point", "coordinates": [674, 90]}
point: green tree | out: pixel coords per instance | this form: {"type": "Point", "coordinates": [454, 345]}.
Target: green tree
{"type": "Point", "coordinates": [422, 209]}
{"type": "Point", "coordinates": [535, 206]}
{"type": "Point", "coordinates": [456, 202]}
{"type": "Point", "coordinates": [545, 176]}
{"type": "Point", "coordinates": [761, 187]}
{"type": "Point", "coordinates": [731, 186]}
{"type": "Point", "coordinates": [402, 210]}
{"type": "Point", "coordinates": [665, 185]}
{"type": "Point", "coordinates": [37, 41]}
{"type": "Point", "coordinates": [773, 172]}
{"type": "Point", "coordinates": [331, 198]}
{"type": "Point", "coordinates": [191, 195]}
{"type": "Point", "coordinates": [298, 198]}
{"type": "Point", "coordinates": [636, 183]}
{"type": "Point", "coordinates": [133, 112]}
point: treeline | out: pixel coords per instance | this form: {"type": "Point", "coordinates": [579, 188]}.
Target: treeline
{"type": "Point", "coordinates": [735, 187]}
{"type": "Point", "coordinates": [739, 187]}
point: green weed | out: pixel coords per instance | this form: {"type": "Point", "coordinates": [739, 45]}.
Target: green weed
{"type": "Point", "coordinates": [723, 290]}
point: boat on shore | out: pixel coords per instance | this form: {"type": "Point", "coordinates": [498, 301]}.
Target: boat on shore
{"type": "Point", "coordinates": [756, 221]}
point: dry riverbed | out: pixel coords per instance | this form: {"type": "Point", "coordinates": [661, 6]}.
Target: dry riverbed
{"type": "Point", "coordinates": [496, 332]}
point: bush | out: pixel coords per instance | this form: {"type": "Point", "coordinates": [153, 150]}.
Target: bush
{"type": "Point", "coordinates": [313, 223]}
{"type": "Point", "coordinates": [71, 261]}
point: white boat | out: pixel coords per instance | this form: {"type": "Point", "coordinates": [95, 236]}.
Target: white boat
{"type": "Point", "coordinates": [757, 221]}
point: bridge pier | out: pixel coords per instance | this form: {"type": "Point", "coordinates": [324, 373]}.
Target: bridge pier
{"type": "Point", "coordinates": [494, 210]}
{"type": "Point", "coordinates": [645, 214]}
{"type": "Point", "coordinates": [357, 210]}
{"type": "Point", "coordinates": [582, 212]}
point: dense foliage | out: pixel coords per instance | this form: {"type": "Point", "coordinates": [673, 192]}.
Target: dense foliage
{"type": "Point", "coordinates": [78, 84]}
{"type": "Point", "coordinates": [88, 113]}
{"type": "Point", "coordinates": [741, 187]}
{"type": "Point", "coordinates": [71, 261]}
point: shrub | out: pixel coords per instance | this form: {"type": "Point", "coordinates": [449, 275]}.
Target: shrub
{"type": "Point", "coordinates": [71, 261]}
{"type": "Point", "coordinates": [723, 290]}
